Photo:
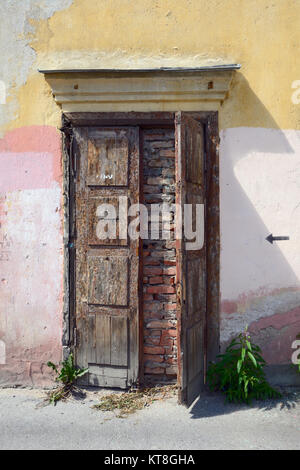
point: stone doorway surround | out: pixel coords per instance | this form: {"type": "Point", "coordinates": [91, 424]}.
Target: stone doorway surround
{"type": "Point", "coordinates": [164, 89]}
{"type": "Point", "coordinates": [93, 96]}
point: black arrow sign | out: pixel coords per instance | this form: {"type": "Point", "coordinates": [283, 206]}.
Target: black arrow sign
{"type": "Point", "coordinates": [272, 239]}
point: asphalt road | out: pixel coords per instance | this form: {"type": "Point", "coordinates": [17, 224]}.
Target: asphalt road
{"type": "Point", "coordinates": [208, 424]}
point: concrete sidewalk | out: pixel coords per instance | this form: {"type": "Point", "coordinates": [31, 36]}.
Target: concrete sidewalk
{"type": "Point", "coordinates": [208, 424]}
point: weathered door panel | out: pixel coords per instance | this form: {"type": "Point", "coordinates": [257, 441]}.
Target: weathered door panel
{"type": "Point", "coordinates": [191, 263]}
{"type": "Point", "coordinates": [106, 270]}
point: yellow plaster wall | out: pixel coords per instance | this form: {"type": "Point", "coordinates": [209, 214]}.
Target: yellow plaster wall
{"type": "Point", "coordinates": [262, 35]}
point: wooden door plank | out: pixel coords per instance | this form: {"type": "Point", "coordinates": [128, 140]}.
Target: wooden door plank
{"type": "Point", "coordinates": [106, 271]}
{"type": "Point", "coordinates": [92, 340]}
{"type": "Point", "coordinates": [103, 339]}
{"type": "Point", "coordinates": [119, 341]}
{"type": "Point", "coordinates": [191, 263]}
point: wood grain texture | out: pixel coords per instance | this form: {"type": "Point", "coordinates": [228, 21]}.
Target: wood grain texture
{"type": "Point", "coordinates": [103, 219]}
{"type": "Point", "coordinates": [108, 280]}
{"type": "Point", "coordinates": [106, 271]}
{"type": "Point", "coordinates": [107, 158]}
{"type": "Point", "coordinates": [191, 264]}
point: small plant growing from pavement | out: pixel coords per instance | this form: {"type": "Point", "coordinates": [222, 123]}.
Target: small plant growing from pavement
{"type": "Point", "coordinates": [239, 372]}
{"type": "Point", "coordinates": [67, 376]}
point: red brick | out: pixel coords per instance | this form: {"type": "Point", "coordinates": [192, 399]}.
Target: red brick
{"type": "Point", "coordinates": [169, 262]}
{"type": "Point", "coordinates": [171, 360]}
{"type": "Point", "coordinates": [172, 333]}
{"type": "Point", "coordinates": [149, 189]}
{"type": "Point", "coordinates": [167, 153]}
{"type": "Point", "coordinates": [160, 290]}
{"type": "Point", "coordinates": [152, 199]}
{"type": "Point", "coordinates": [156, 280]}
{"type": "Point", "coordinates": [165, 297]}
{"type": "Point", "coordinates": [160, 324]}
{"type": "Point", "coordinates": [152, 306]}
{"type": "Point", "coordinates": [147, 297]}
{"type": "Point", "coordinates": [151, 341]}
{"type": "Point", "coordinates": [151, 332]}
{"type": "Point", "coordinates": [169, 280]}
{"type": "Point", "coordinates": [168, 172]}
{"type": "Point", "coordinates": [162, 144]}
{"type": "Point", "coordinates": [164, 254]}
{"type": "Point", "coordinates": [150, 261]}
{"type": "Point", "coordinates": [149, 315]}
{"type": "Point", "coordinates": [172, 370]}
{"type": "Point", "coordinates": [153, 136]}
{"type": "Point", "coordinates": [152, 271]}
{"type": "Point", "coordinates": [154, 350]}
{"type": "Point", "coordinates": [168, 271]}
{"type": "Point", "coordinates": [170, 307]}
{"type": "Point", "coordinates": [153, 358]}
{"type": "Point", "coordinates": [166, 341]}
{"type": "Point", "coordinates": [157, 180]}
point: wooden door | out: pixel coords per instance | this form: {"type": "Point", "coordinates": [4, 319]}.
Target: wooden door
{"type": "Point", "coordinates": [191, 263]}
{"type": "Point", "coordinates": [106, 271]}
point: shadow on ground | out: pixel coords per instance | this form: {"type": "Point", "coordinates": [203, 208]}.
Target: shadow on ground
{"type": "Point", "coordinates": [213, 404]}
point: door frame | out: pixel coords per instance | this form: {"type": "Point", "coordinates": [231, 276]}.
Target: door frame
{"type": "Point", "coordinates": [212, 231]}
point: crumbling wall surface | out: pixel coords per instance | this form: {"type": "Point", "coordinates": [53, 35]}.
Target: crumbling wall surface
{"type": "Point", "coordinates": [30, 210]}
{"type": "Point", "coordinates": [17, 39]}
{"type": "Point", "coordinates": [30, 254]}
{"type": "Point", "coordinates": [259, 156]}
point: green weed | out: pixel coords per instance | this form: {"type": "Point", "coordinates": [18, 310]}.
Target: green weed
{"type": "Point", "coordinates": [239, 372]}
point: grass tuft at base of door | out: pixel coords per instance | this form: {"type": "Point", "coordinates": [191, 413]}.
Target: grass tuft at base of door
{"type": "Point", "coordinates": [129, 402]}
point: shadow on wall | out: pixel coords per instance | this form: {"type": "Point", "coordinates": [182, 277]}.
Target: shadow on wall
{"type": "Point", "coordinates": [260, 194]}
{"type": "Point", "coordinates": [244, 108]}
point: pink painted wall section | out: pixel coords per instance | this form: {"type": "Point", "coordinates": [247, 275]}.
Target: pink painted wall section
{"type": "Point", "coordinates": [32, 139]}
{"type": "Point", "coordinates": [275, 334]}
{"type": "Point", "coordinates": [31, 252]}
{"type": "Point", "coordinates": [260, 194]}
{"type": "Point", "coordinates": [30, 170]}
{"type": "Point", "coordinates": [30, 157]}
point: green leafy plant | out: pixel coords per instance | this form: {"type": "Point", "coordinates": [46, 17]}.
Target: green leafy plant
{"type": "Point", "coordinates": [67, 375]}
{"type": "Point", "coordinates": [239, 372]}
